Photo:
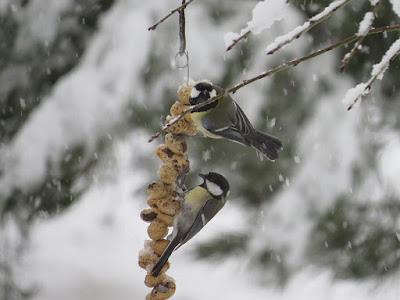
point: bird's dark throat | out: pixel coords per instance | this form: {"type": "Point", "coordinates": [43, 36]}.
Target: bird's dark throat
{"type": "Point", "coordinates": [207, 106]}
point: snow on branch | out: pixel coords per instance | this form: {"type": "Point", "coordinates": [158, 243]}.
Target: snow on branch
{"type": "Point", "coordinates": [232, 38]}
{"type": "Point", "coordinates": [265, 14]}
{"type": "Point", "coordinates": [284, 66]}
{"type": "Point", "coordinates": [363, 29]}
{"type": "Point", "coordinates": [366, 24]}
{"type": "Point", "coordinates": [355, 94]}
{"type": "Point", "coordinates": [299, 30]}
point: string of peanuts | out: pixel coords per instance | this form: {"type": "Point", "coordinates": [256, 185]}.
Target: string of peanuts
{"type": "Point", "coordinates": [163, 200]}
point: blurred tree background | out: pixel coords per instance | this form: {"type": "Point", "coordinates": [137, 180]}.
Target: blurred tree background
{"type": "Point", "coordinates": [328, 179]}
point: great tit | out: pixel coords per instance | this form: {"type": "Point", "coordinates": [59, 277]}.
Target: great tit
{"type": "Point", "coordinates": [198, 206]}
{"type": "Point", "coordinates": [223, 118]}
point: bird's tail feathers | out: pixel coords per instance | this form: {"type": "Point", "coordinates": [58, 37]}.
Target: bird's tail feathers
{"type": "Point", "coordinates": [267, 145]}
{"type": "Point", "coordinates": [164, 258]}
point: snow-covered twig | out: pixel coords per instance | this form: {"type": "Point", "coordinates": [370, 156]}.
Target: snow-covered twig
{"type": "Point", "coordinates": [299, 30]}
{"type": "Point", "coordinates": [183, 6]}
{"type": "Point", "coordinates": [355, 94]}
{"type": "Point", "coordinates": [264, 15]}
{"type": "Point", "coordinates": [364, 28]}
{"type": "Point", "coordinates": [291, 63]}
{"type": "Point", "coordinates": [235, 41]}
{"type": "Point", "coordinates": [357, 45]}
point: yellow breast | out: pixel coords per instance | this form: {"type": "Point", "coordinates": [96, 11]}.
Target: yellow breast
{"type": "Point", "coordinates": [197, 197]}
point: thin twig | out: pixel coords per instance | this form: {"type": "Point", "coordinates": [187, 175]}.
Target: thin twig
{"type": "Point", "coordinates": [295, 62]}
{"type": "Point", "coordinates": [349, 55]}
{"type": "Point", "coordinates": [291, 63]}
{"type": "Point", "coordinates": [170, 14]}
{"type": "Point", "coordinates": [300, 30]}
{"type": "Point", "coordinates": [186, 111]}
{"type": "Point", "coordinates": [243, 36]}
{"type": "Point", "coordinates": [378, 70]}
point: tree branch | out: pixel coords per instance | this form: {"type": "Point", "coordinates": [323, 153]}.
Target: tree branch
{"type": "Point", "coordinates": [243, 36]}
{"type": "Point", "coordinates": [291, 63]}
{"type": "Point", "coordinates": [170, 14]}
{"type": "Point", "coordinates": [295, 62]}
{"type": "Point", "coordinates": [377, 72]}
{"type": "Point", "coordinates": [349, 55]}
{"type": "Point", "coordinates": [300, 30]}
{"type": "Point", "coordinates": [185, 112]}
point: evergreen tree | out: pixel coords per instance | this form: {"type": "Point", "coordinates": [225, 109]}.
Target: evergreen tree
{"type": "Point", "coordinates": [324, 201]}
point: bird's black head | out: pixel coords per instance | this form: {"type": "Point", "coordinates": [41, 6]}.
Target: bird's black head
{"type": "Point", "coordinates": [201, 92]}
{"type": "Point", "coordinates": [216, 185]}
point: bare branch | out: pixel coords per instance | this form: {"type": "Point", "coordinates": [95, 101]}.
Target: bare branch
{"type": "Point", "coordinates": [291, 63]}
{"type": "Point", "coordinates": [170, 14]}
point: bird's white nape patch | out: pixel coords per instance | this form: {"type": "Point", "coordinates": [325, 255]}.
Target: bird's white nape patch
{"type": "Point", "coordinates": [227, 195]}
{"type": "Point", "coordinates": [194, 93]}
{"type": "Point", "coordinates": [213, 188]}
{"type": "Point", "coordinates": [213, 93]}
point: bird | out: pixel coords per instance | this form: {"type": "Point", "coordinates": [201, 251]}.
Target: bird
{"type": "Point", "coordinates": [198, 206]}
{"type": "Point", "coordinates": [223, 118]}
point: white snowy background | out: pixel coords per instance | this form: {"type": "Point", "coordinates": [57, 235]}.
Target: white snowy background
{"type": "Point", "coordinates": [90, 252]}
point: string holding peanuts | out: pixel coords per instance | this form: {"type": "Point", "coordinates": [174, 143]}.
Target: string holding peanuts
{"type": "Point", "coordinates": [163, 196]}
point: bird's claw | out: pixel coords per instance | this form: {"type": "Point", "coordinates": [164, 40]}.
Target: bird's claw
{"type": "Point", "coordinates": [180, 181]}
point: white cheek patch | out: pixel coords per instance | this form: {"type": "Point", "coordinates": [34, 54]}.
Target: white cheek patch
{"type": "Point", "coordinates": [213, 93]}
{"type": "Point", "coordinates": [213, 188]}
{"type": "Point", "coordinates": [194, 93]}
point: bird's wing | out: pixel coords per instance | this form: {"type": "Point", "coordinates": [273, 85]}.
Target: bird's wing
{"type": "Point", "coordinates": [242, 123]}
{"type": "Point", "coordinates": [236, 129]}
{"type": "Point", "coordinates": [207, 212]}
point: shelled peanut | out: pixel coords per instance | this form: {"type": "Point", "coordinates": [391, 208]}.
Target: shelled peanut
{"type": "Point", "coordinates": [162, 199]}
